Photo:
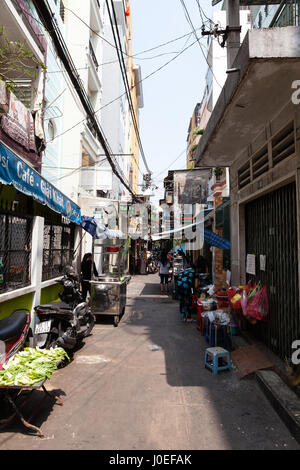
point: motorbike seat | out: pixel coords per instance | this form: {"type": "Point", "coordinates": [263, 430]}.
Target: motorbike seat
{"type": "Point", "coordinates": [56, 306]}
{"type": "Point", "coordinates": [13, 325]}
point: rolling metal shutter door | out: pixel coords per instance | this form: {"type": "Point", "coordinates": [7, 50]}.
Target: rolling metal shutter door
{"type": "Point", "coordinates": [271, 230]}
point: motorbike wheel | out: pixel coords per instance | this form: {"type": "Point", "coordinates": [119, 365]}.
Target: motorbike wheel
{"type": "Point", "coordinates": [90, 325]}
{"type": "Point", "coordinates": [51, 340]}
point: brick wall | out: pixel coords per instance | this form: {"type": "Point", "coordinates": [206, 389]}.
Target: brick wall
{"type": "Point", "coordinates": [219, 273]}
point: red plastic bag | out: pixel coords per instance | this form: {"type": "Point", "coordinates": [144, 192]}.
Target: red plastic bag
{"type": "Point", "coordinates": [244, 303]}
{"type": "Point", "coordinates": [259, 306]}
{"type": "Point", "coordinates": [231, 291]}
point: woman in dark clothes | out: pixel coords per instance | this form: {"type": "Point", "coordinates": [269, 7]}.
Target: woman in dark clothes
{"type": "Point", "coordinates": [86, 272]}
{"type": "Point", "coordinates": [187, 283]}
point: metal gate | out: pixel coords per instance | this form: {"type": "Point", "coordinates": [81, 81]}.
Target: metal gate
{"type": "Point", "coordinates": [271, 230]}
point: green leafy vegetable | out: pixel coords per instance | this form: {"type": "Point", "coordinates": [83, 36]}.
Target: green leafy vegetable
{"type": "Point", "coordinates": [31, 366]}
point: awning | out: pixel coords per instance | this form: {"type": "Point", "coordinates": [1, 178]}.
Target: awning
{"type": "Point", "coordinates": [15, 171]}
{"type": "Point", "coordinates": [259, 86]}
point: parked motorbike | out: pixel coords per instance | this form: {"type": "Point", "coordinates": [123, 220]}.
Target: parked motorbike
{"type": "Point", "coordinates": [152, 266]}
{"type": "Point", "coordinates": [67, 322]}
{"type": "Point", "coordinates": [14, 331]}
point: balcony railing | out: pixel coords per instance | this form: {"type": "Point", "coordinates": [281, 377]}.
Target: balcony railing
{"type": "Point", "coordinates": [93, 55]}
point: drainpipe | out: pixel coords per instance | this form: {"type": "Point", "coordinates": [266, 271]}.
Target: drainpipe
{"type": "Point", "coordinates": [234, 37]}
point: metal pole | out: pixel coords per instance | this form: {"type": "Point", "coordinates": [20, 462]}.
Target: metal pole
{"type": "Point", "coordinates": [234, 37]}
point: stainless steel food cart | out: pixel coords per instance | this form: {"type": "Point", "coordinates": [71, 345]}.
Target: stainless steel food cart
{"type": "Point", "coordinates": [108, 290]}
{"type": "Point", "coordinates": [177, 268]}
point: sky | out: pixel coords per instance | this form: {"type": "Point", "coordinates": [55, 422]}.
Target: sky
{"type": "Point", "coordinates": [170, 95]}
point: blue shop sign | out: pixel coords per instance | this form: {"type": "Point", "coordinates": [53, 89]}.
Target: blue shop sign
{"type": "Point", "coordinates": [14, 170]}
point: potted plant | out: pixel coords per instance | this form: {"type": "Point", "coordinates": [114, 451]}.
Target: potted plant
{"type": "Point", "coordinates": [218, 173]}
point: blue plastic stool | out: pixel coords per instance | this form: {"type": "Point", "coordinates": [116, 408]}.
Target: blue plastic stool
{"type": "Point", "coordinates": [212, 356]}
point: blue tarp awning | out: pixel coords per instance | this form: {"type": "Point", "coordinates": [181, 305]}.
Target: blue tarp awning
{"type": "Point", "coordinates": [214, 239]}
{"type": "Point", "coordinates": [15, 171]}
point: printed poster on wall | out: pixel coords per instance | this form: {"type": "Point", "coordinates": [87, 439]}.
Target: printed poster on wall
{"type": "Point", "coordinates": [250, 267]}
{"type": "Point", "coordinates": [262, 262]}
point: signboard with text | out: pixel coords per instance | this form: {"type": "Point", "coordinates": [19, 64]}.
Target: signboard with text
{"type": "Point", "coordinates": [15, 171]}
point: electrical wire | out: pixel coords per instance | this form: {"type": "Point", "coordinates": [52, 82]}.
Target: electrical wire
{"type": "Point", "coordinates": [171, 164]}
{"type": "Point", "coordinates": [119, 48]}
{"type": "Point", "coordinates": [117, 39]}
{"type": "Point", "coordinates": [71, 90]}
{"type": "Point", "coordinates": [187, 15]}
{"type": "Point", "coordinates": [123, 94]}
{"type": "Point", "coordinates": [111, 159]}
{"type": "Point", "coordinates": [112, 101]}
{"type": "Point", "coordinates": [202, 13]}
{"type": "Point", "coordinates": [45, 13]}
{"type": "Point", "coordinates": [115, 61]}
{"type": "Point", "coordinates": [131, 56]}
{"type": "Point", "coordinates": [74, 170]}
{"type": "Point", "coordinates": [151, 74]}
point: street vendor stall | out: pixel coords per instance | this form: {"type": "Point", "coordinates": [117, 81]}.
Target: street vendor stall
{"type": "Point", "coordinates": [110, 255]}
{"type": "Point", "coordinates": [177, 268]}
{"type": "Point", "coordinates": [108, 290]}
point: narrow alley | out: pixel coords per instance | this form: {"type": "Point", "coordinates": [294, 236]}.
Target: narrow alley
{"type": "Point", "coordinates": [120, 392]}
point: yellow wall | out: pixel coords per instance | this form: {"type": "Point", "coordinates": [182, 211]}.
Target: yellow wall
{"type": "Point", "coordinates": [50, 294]}
{"type": "Point", "coordinates": [6, 308]}
{"type": "Point", "coordinates": [131, 79]}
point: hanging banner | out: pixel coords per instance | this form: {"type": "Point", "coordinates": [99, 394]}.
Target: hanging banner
{"type": "Point", "coordinates": [15, 171]}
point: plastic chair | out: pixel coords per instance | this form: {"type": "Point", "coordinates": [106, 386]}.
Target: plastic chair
{"type": "Point", "coordinates": [212, 356]}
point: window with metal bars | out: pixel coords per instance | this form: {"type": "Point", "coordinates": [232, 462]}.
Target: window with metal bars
{"type": "Point", "coordinates": [58, 249]}
{"type": "Point", "coordinates": [15, 251]}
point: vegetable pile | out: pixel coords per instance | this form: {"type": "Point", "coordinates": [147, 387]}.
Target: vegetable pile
{"type": "Point", "coordinates": [31, 366]}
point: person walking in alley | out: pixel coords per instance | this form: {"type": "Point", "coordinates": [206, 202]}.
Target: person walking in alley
{"type": "Point", "coordinates": [187, 283]}
{"type": "Point", "coordinates": [86, 273]}
{"type": "Point", "coordinates": [163, 271]}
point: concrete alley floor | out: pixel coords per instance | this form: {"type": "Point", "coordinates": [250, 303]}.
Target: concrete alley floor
{"type": "Point", "coordinates": [118, 394]}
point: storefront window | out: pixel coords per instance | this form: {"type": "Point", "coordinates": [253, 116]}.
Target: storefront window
{"type": "Point", "coordinates": [15, 251]}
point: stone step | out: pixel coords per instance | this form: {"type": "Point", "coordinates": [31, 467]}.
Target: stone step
{"type": "Point", "coordinates": [285, 402]}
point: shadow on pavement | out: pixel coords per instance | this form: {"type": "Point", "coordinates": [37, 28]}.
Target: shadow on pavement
{"type": "Point", "coordinates": [242, 410]}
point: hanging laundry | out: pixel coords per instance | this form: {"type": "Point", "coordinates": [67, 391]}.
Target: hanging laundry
{"type": "Point", "coordinates": [98, 230]}
{"type": "Point", "coordinates": [93, 227]}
